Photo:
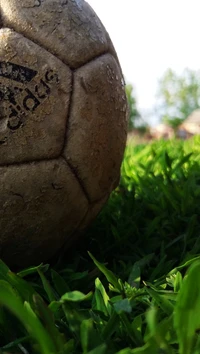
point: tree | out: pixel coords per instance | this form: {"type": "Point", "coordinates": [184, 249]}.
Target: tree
{"type": "Point", "coordinates": [135, 120]}
{"type": "Point", "coordinates": [178, 96]}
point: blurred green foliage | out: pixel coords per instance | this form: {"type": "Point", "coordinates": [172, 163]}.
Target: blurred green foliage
{"type": "Point", "coordinates": [178, 95]}
{"type": "Point", "coordinates": [135, 118]}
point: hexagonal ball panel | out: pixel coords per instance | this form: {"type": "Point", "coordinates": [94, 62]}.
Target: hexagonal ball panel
{"type": "Point", "coordinates": [68, 28]}
{"type": "Point", "coordinates": [97, 126]}
{"type": "Point", "coordinates": [39, 210]}
{"type": "Point", "coordinates": [35, 91]}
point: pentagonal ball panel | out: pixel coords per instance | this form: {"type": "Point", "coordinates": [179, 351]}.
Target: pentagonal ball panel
{"type": "Point", "coordinates": [38, 210]}
{"type": "Point", "coordinates": [35, 91]}
{"type": "Point", "coordinates": [68, 28]}
{"type": "Point", "coordinates": [97, 126]}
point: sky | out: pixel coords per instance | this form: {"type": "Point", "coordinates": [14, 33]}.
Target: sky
{"type": "Point", "coordinates": [151, 36]}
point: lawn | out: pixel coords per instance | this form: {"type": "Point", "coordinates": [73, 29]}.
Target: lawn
{"type": "Point", "coordinates": [133, 284]}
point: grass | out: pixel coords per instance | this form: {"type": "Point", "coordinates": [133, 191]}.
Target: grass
{"type": "Point", "coordinates": [137, 290]}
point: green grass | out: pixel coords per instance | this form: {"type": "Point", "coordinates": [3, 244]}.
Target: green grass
{"type": "Point", "coordinates": [137, 290]}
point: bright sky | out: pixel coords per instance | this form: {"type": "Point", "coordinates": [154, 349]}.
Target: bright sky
{"type": "Point", "coordinates": [149, 37]}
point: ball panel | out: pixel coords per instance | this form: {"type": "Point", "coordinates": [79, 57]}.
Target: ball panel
{"type": "Point", "coordinates": [35, 91]}
{"type": "Point", "coordinates": [39, 210]}
{"type": "Point", "coordinates": [75, 34]}
{"type": "Point", "coordinates": [97, 126]}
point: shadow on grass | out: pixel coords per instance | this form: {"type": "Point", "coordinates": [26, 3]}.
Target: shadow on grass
{"type": "Point", "coordinates": [154, 212]}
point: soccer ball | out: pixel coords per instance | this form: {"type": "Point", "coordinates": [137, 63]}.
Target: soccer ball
{"type": "Point", "coordinates": [63, 125]}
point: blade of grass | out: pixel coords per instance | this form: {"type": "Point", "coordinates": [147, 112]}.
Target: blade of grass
{"type": "Point", "coordinates": [108, 274]}
{"type": "Point", "coordinates": [47, 287]}
{"type": "Point", "coordinates": [27, 317]}
{"type": "Point", "coordinates": [187, 309]}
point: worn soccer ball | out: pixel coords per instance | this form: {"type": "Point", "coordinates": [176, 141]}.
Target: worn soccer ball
{"type": "Point", "coordinates": [63, 120]}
